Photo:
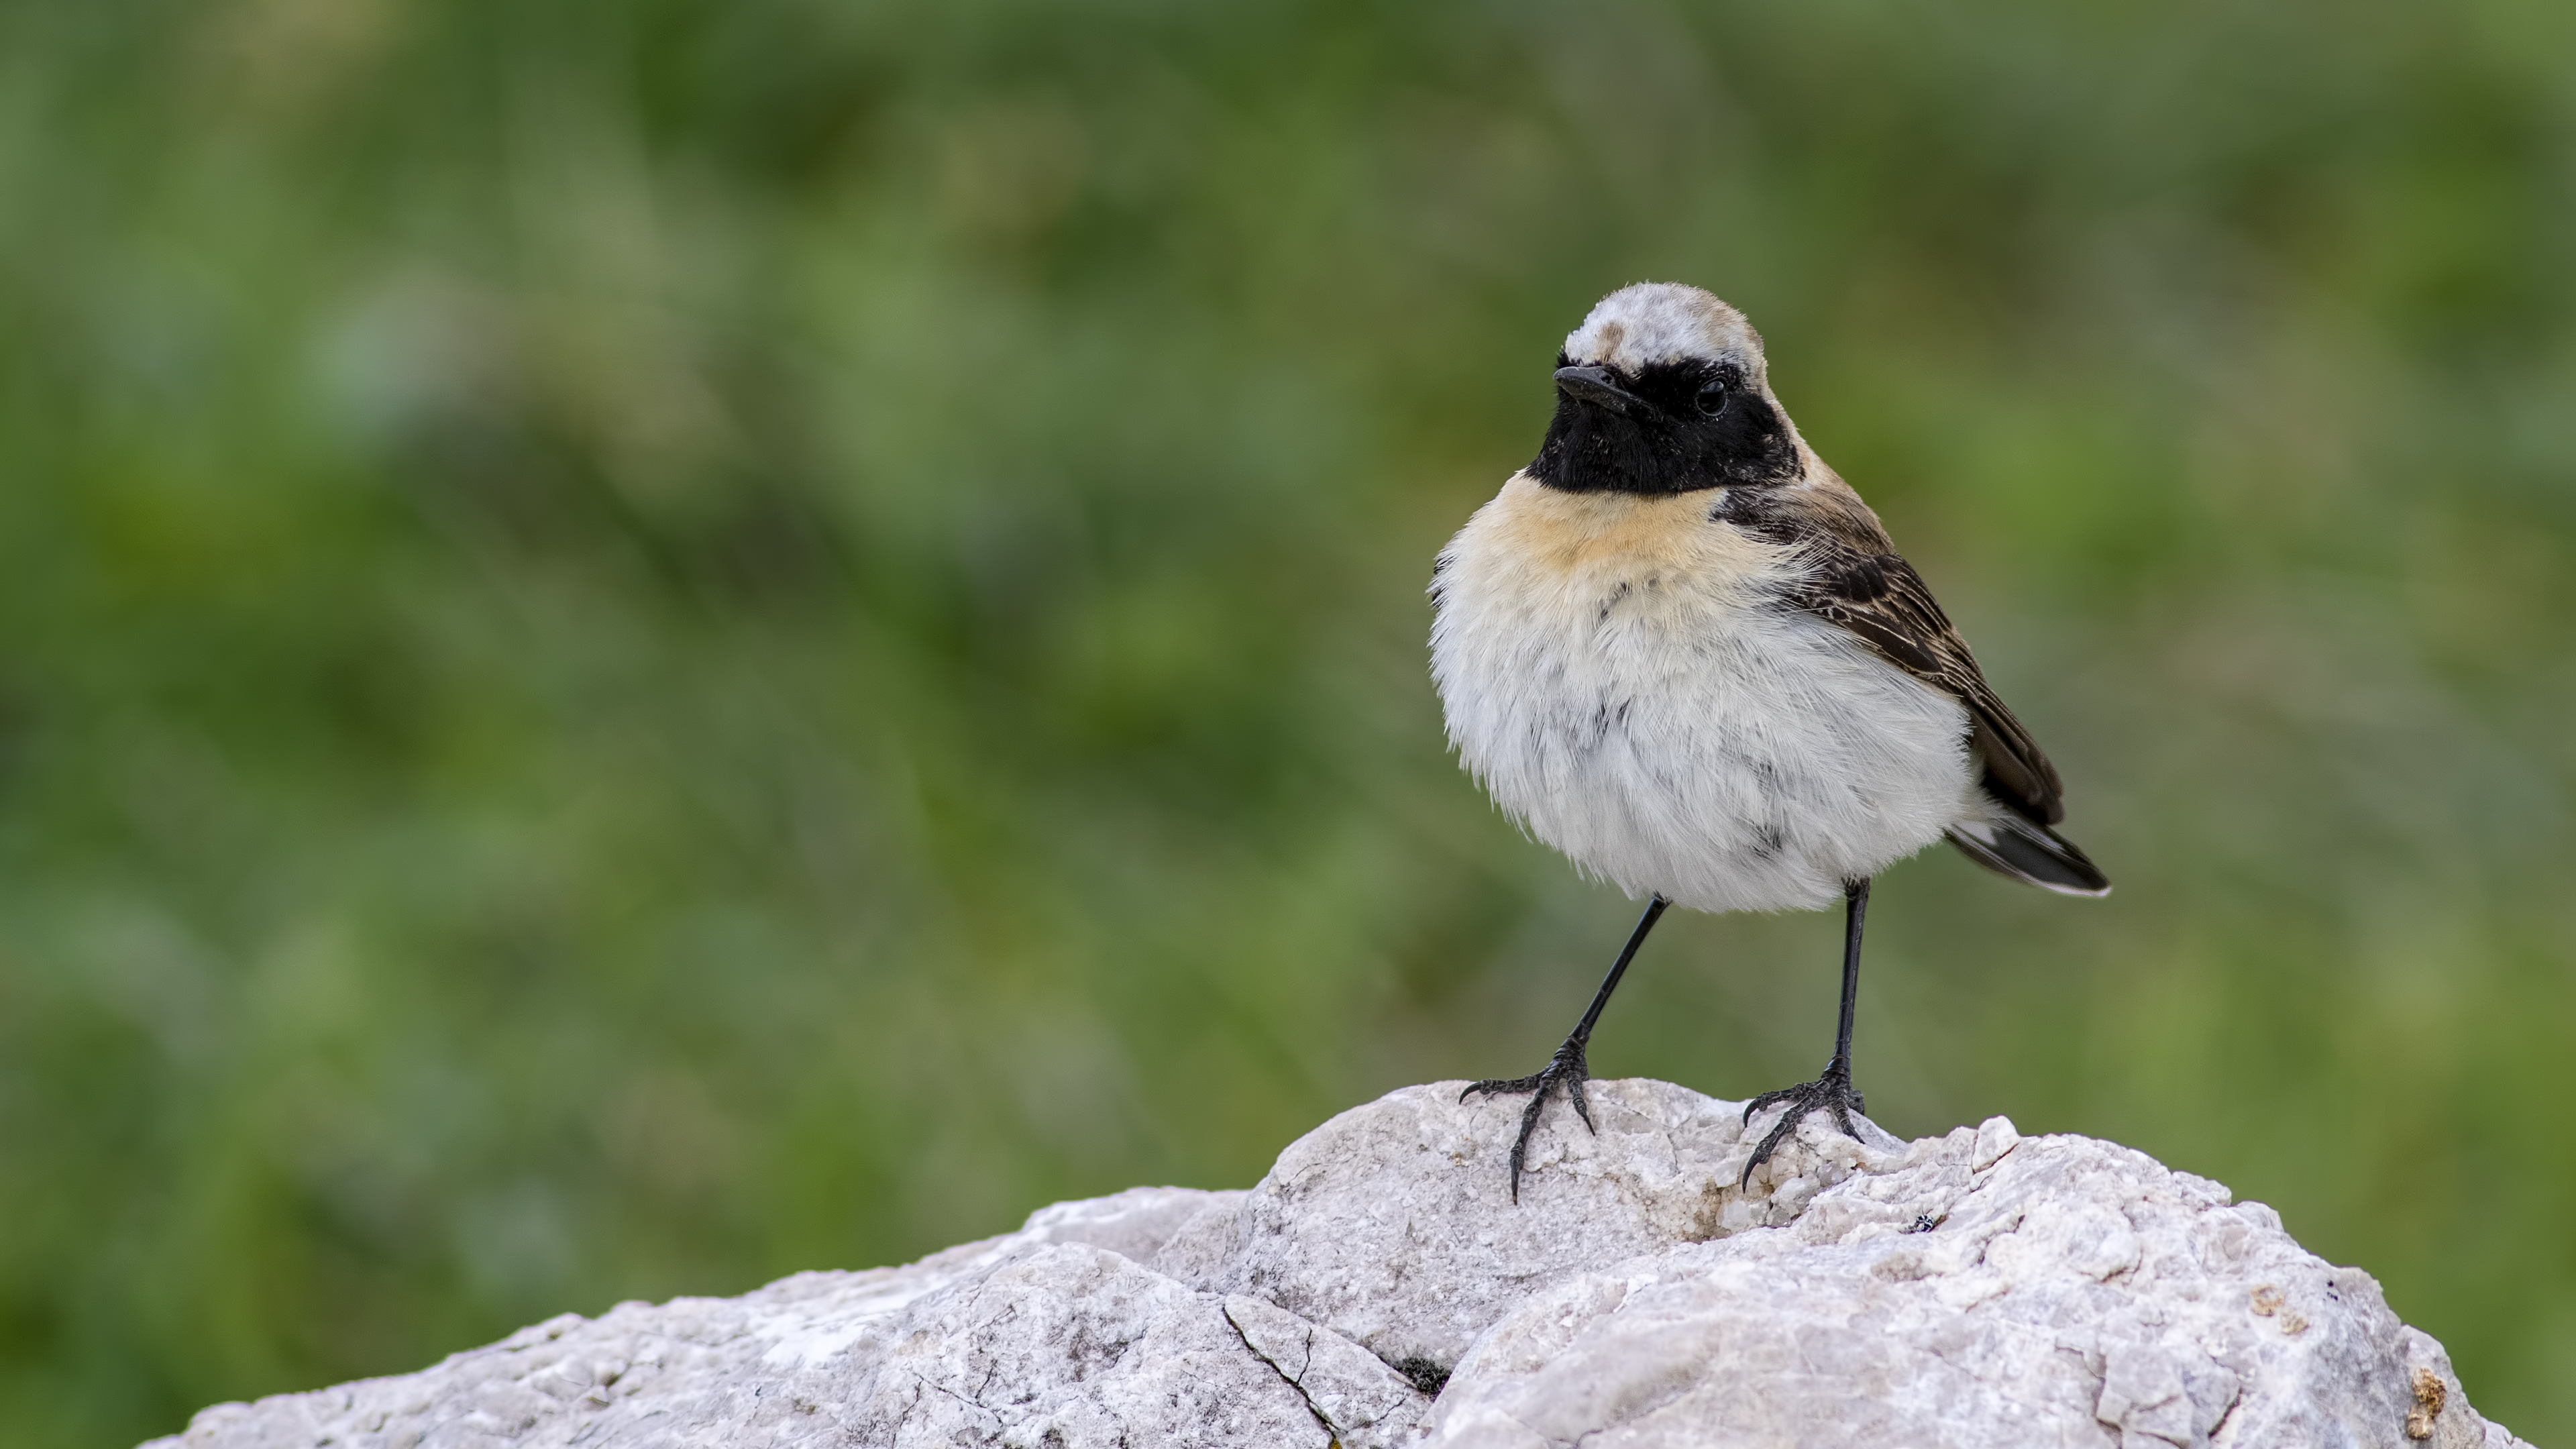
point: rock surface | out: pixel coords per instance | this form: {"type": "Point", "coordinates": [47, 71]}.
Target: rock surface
{"type": "Point", "coordinates": [1979, 1290]}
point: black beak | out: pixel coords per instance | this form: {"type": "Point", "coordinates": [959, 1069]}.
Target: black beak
{"type": "Point", "coordinates": [1596, 385]}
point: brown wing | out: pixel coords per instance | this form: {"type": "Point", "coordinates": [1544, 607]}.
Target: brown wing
{"type": "Point", "coordinates": [1857, 580]}
{"type": "Point", "coordinates": [1880, 598]}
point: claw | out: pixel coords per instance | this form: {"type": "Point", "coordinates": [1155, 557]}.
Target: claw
{"type": "Point", "coordinates": [1566, 1070]}
{"type": "Point", "coordinates": [1832, 1091]}
{"type": "Point", "coordinates": [1498, 1086]}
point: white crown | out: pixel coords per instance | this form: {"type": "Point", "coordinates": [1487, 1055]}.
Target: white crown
{"type": "Point", "coordinates": [1663, 322]}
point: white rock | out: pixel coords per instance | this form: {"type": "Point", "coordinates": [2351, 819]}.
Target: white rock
{"type": "Point", "coordinates": [1995, 1137]}
{"type": "Point", "coordinates": [1979, 1289]}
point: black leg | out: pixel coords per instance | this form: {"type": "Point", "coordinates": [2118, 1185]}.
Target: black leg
{"type": "Point", "coordinates": [1832, 1091]}
{"type": "Point", "coordinates": [1567, 1069]}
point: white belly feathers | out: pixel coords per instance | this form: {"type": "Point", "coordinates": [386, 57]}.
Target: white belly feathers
{"type": "Point", "coordinates": [1620, 673]}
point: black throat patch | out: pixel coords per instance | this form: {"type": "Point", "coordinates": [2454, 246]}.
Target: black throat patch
{"type": "Point", "coordinates": [1668, 438]}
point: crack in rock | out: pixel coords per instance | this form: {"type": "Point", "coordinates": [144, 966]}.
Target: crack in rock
{"type": "Point", "coordinates": [1332, 1431]}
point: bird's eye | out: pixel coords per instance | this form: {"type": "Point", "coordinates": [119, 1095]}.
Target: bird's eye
{"type": "Point", "coordinates": [1712, 398]}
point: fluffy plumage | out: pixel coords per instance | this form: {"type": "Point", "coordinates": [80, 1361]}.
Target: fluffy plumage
{"type": "Point", "coordinates": [1683, 651]}
{"type": "Point", "coordinates": [1623, 674]}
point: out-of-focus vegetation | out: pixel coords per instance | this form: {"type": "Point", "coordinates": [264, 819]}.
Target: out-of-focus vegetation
{"type": "Point", "coordinates": [647, 644]}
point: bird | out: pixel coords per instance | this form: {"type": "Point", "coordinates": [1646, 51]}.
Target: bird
{"type": "Point", "coordinates": [1681, 650]}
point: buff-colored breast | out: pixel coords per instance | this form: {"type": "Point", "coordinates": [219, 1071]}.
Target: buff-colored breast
{"type": "Point", "coordinates": [1549, 540]}
{"type": "Point", "coordinates": [1626, 676]}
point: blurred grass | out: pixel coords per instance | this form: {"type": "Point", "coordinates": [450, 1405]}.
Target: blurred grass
{"type": "Point", "coordinates": [646, 645]}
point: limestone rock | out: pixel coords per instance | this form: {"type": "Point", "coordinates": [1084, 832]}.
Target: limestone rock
{"type": "Point", "coordinates": [1379, 1288]}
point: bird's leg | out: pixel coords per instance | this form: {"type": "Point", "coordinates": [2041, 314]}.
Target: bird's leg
{"type": "Point", "coordinates": [1567, 1068]}
{"type": "Point", "coordinates": [1832, 1091]}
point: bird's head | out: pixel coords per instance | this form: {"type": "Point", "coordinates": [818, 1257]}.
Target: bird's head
{"type": "Point", "coordinates": [1663, 390]}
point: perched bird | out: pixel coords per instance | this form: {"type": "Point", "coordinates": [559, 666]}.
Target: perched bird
{"type": "Point", "coordinates": [1681, 650]}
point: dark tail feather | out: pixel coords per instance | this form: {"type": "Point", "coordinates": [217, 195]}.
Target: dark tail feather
{"type": "Point", "coordinates": [2030, 853]}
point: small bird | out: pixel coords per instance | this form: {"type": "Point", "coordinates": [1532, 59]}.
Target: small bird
{"type": "Point", "coordinates": [1681, 650]}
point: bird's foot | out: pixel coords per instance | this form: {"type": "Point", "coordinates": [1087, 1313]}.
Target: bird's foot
{"type": "Point", "coordinates": [1832, 1091]}
{"type": "Point", "coordinates": [1565, 1071]}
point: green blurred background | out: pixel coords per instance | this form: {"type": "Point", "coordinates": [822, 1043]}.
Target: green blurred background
{"type": "Point", "coordinates": [645, 645]}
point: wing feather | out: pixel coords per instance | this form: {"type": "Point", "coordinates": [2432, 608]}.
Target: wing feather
{"type": "Point", "coordinates": [1853, 577]}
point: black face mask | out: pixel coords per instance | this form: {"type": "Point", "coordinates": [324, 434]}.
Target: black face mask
{"type": "Point", "coordinates": [1670, 427]}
